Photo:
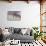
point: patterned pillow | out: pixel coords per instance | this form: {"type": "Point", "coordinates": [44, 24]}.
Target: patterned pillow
{"type": "Point", "coordinates": [11, 30]}
{"type": "Point", "coordinates": [17, 30]}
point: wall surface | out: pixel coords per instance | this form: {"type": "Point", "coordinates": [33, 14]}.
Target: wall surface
{"type": "Point", "coordinates": [30, 14]}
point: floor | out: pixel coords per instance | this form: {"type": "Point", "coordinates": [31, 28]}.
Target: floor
{"type": "Point", "coordinates": [35, 43]}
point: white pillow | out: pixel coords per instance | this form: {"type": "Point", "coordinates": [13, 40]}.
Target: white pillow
{"type": "Point", "coordinates": [5, 32]}
{"type": "Point", "coordinates": [23, 31]}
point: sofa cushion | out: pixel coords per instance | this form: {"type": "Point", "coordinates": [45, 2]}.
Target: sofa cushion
{"type": "Point", "coordinates": [20, 37]}
{"type": "Point", "coordinates": [11, 30]}
{"type": "Point", "coordinates": [17, 30]}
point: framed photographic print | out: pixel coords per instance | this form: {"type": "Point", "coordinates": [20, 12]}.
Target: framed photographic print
{"type": "Point", "coordinates": [13, 16]}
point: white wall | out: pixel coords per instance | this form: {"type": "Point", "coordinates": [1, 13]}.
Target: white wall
{"type": "Point", "coordinates": [30, 14]}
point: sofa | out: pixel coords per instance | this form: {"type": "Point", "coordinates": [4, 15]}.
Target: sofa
{"type": "Point", "coordinates": [17, 34]}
